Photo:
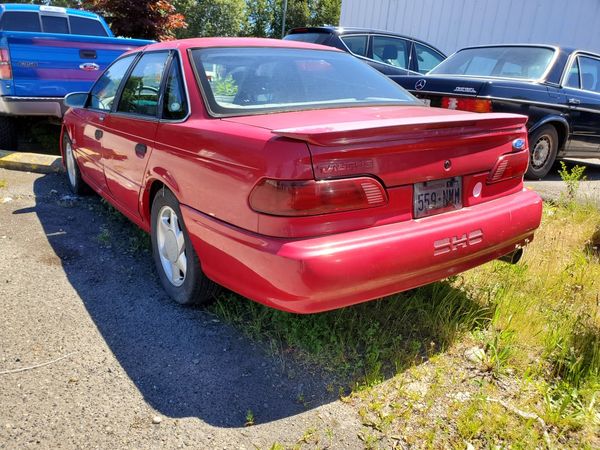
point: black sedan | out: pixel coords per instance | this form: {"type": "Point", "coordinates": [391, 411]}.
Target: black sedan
{"type": "Point", "coordinates": [557, 88]}
{"type": "Point", "coordinates": [390, 53]}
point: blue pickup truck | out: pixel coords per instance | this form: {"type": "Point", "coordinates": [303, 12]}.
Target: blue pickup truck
{"type": "Point", "coordinates": [47, 52]}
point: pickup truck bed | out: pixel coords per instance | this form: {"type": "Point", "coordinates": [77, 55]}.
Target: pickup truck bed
{"type": "Point", "coordinates": [48, 52]}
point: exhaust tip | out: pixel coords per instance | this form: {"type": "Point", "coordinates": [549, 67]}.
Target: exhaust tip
{"type": "Point", "coordinates": [513, 257]}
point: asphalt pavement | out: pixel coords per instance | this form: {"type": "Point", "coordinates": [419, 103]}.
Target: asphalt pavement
{"type": "Point", "coordinates": [137, 370]}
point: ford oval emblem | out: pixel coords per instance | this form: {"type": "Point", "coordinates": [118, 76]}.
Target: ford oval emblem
{"type": "Point", "coordinates": [518, 144]}
{"type": "Point", "coordinates": [89, 67]}
{"type": "Point", "coordinates": [420, 84]}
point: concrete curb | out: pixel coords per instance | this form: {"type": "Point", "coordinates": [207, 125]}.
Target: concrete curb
{"type": "Point", "coordinates": [30, 162]}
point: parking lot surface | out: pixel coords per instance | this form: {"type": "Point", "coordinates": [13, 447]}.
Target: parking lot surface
{"type": "Point", "coordinates": [137, 370]}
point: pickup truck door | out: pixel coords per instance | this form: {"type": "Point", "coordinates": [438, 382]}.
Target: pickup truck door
{"type": "Point", "coordinates": [129, 130]}
{"type": "Point", "coordinates": [582, 90]}
{"type": "Point", "coordinates": [89, 143]}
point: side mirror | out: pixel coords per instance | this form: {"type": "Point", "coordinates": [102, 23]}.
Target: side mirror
{"type": "Point", "coordinates": [76, 99]}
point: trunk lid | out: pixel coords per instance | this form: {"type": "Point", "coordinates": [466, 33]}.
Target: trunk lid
{"type": "Point", "coordinates": [398, 145]}
{"type": "Point", "coordinates": [444, 85]}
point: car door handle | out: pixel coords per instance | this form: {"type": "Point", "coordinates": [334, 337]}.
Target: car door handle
{"type": "Point", "coordinates": [98, 134]}
{"type": "Point", "coordinates": [574, 101]}
{"type": "Point", "coordinates": [140, 150]}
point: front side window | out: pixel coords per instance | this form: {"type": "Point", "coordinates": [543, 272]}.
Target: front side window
{"type": "Point", "coordinates": [102, 95]}
{"type": "Point", "coordinates": [427, 58]}
{"type": "Point", "coordinates": [175, 103]}
{"type": "Point", "coordinates": [141, 92]}
{"type": "Point", "coordinates": [55, 24]}
{"type": "Point", "coordinates": [391, 51]}
{"type": "Point", "coordinates": [20, 21]}
{"type": "Point", "coordinates": [356, 44]}
{"type": "Point", "coordinates": [590, 73]}
{"type": "Point", "coordinates": [239, 81]}
{"type": "Point", "coordinates": [507, 62]}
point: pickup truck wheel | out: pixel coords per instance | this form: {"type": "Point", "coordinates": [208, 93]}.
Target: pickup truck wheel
{"type": "Point", "coordinates": [176, 261]}
{"type": "Point", "coordinates": [8, 133]}
{"type": "Point", "coordinates": [76, 183]}
{"type": "Point", "coordinates": [543, 145]}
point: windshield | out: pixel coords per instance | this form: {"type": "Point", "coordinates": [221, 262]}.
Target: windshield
{"type": "Point", "coordinates": [505, 62]}
{"type": "Point", "coordinates": [255, 80]}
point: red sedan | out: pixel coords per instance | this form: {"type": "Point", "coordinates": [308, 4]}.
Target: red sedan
{"type": "Point", "coordinates": [294, 174]}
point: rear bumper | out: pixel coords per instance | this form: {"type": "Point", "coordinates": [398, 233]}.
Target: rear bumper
{"type": "Point", "coordinates": [318, 274]}
{"type": "Point", "coordinates": [32, 106]}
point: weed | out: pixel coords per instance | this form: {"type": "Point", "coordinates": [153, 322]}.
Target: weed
{"type": "Point", "coordinates": [572, 179]}
{"type": "Point", "coordinates": [104, 237]}
{"type": "Point", "coordinates": [249, 418]}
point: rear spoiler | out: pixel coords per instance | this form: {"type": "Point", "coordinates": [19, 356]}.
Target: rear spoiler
{"type": "Point", "coordinates": [381, 130]}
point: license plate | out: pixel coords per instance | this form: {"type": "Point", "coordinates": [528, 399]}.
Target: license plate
{"type": "Point", "coordinates": [437, 196]}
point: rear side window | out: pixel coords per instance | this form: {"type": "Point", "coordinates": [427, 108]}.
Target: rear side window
{"type": "Point", "coordinates": [87, 27]}
{"type": "Point", "coordinates": [313, 38]}
{"type": "Point", "coordinates": [175, 102]}
{"type": "Point", "coordinates": [356, 44]}
{"type": "Point", "coordinates": [391, 51]}
{"type": "Point", "coordinates": [20, 21]}
{"type": "Point", "coordinates": [141, 92]}
{"type": "Point", "coordinates": [102, 95]}
{"type": "Point", "coordinates": [427, 58]}
{"type": "Point", "coordinates": [55, 24]}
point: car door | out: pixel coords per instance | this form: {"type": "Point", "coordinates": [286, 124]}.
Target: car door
{"type": "Point", "coordinates": [87, 140]}
{"type": "Point", "coordinates": [390, 55]}
{"type": "Point", "coordinates": [129, 130]}
{"type": "Point", "coordinates": [581, 85]}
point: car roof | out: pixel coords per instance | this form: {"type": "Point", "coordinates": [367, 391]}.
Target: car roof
{"type": "Point", "coordinates": [567, 50]}
{"type": "Point", "coordinates": [215, 42]}
{"type": "Point", "coordinates": [340, 31]}
{"type": "Point", "coordinates": [47, 9]}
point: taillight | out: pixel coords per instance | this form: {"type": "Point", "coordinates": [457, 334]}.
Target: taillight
{"type": "Point", "coordinates": [5, 69]}
{"type": "Point", "coordinates": [508, 166]}
{"type": "Point", "coordinates": [307, 198]}
{"type": "Point", "coordinates": [479, 105]}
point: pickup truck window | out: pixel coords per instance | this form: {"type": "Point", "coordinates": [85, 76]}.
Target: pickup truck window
{"type": "Point", "coordinates": [88, 27]}
{"type": "Point", "coordinates": [55, 24]}
{"type": "Point", "coordinates": [102, 95]}
{"type": "Point", "coordinates": [140, 94]}
{"type": "Point", "coordinates": [20, 21]}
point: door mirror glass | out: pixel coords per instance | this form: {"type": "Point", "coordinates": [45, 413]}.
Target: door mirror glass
{"type": "Point", "coordinates": [76, 99]}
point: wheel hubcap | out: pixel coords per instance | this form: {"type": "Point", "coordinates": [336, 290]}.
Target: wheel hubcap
{"type": "Point", "coordinates": [171, 246]}
{"type": "Point", "coordinates": [541, 151]}
{"type": "Point", "coordinates": [70, 163]}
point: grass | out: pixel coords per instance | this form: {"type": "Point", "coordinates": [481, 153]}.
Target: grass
{"type": "Point", "coordinates": [537, 322]}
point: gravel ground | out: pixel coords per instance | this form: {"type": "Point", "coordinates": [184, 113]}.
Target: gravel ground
{"type": "Point", "coordinates": [71, 287]}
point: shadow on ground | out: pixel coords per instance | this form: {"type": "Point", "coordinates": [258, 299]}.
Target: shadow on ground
{"type": "Point", "coordinates": [185, 362]}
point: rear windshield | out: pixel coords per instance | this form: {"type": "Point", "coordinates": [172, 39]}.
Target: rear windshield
{"type": "Point", "coordinates": [29, 21]}
{"type": "Point", "coordinates": [313, 38]}
{"type": "Point", "coordinates": [88, 27]}
{"type": "Point", "coordinates": [240, 81]}
{"type": "Point", "coordinates": [20, 21]}
{"type": "Point", "coordinates": [505, 62]}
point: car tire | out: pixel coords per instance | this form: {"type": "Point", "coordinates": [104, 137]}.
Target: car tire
{"type": "Point", "coordinates": [543, 146]}
{"type": "Point", "coordinates": [176, 261]}
{"type": "Point", "coordinates": [8, 133]}
{"type": "Point", "coordinates": [76, 183]}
